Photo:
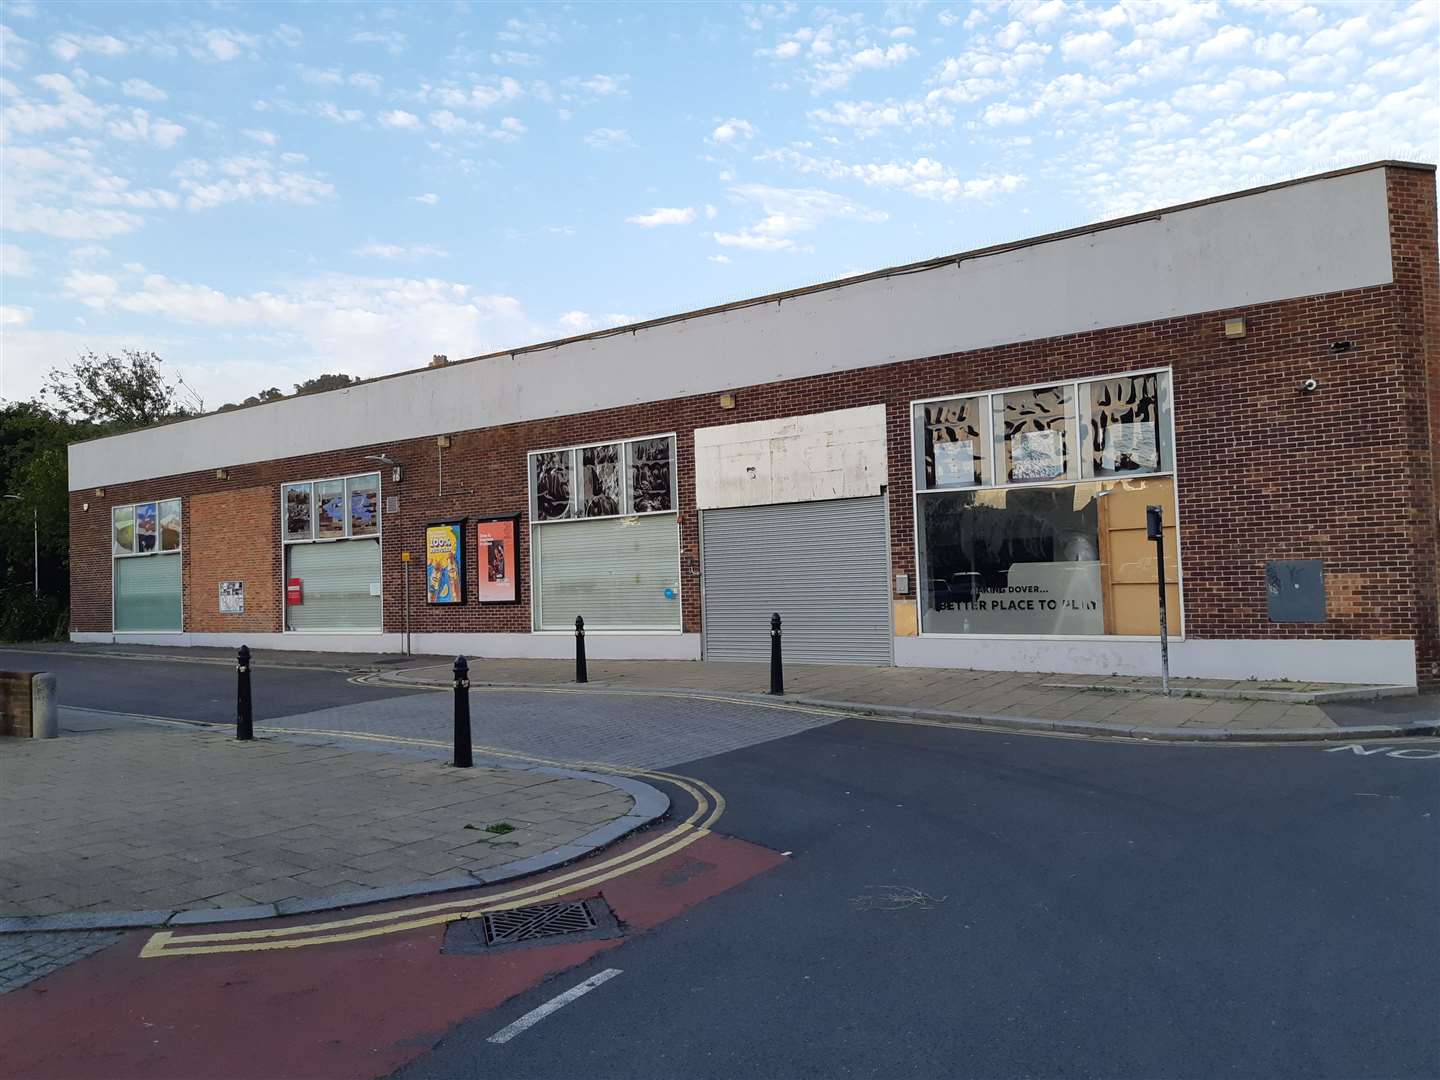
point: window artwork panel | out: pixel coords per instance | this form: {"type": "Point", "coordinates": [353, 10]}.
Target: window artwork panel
{"type": "Point", "coordinates": [329, 509]}
{"type": "Point", "coordinates": [1034, 432]}
{"type": "Point", "coordinates": [552, 484]}
{"type": "Point", "coordinates": [950, 442]}
{"type": "Point", "coordinates": [146, 534]}
{"type": "Point", "coordinates": [651, 475]}
{"type": "Point", "coordinates": [1124, 426]}
{"type": "Point", "coordinates": [298, 515]}
{"type": "Point", "coordinates": [364, 498]}
{"type": "Point", "coordinates": [1016, 561]}
{"type": "Point", "coordinates": [170, 525]}
{"type": "Point", "coordinates": [122, 530]}
{"type": "Point", "coordinates": [600, 468]}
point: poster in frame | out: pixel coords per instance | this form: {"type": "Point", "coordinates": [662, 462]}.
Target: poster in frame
{"type": "Point", "coordinates": [445, 563]}
{"type": "Point", "coordinates": [497, 559]}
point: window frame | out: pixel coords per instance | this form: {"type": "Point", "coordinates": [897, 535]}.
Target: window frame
{"type": "Point", "coordinates": [343, 480]}
{"type": "Point", "coordinates": [1076, 428]}
{"type": "Point", "coordinates": [576, 486]}
{"type": "Point", "coordinates": [135, 531]}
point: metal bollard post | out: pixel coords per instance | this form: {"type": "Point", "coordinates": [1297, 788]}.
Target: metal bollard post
{"type": "Point", "coordinates": [463, 760]}
{"type": "Point", "coordinates": [581, 675]}
{"type": "Point", "coordinates": [777, 676]}
{"type": "Point", "coordinates": [244, 726]}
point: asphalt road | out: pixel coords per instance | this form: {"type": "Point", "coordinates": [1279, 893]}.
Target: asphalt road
{"type": "Point", "coordinates": [199, 689]}
{"type": "Point", "coordinates": [970, 904]}
{"type": "Point", "coordinates": [955, 903]}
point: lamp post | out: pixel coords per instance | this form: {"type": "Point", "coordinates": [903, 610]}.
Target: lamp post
{"type": "Point", "coordinates": [35, 530]}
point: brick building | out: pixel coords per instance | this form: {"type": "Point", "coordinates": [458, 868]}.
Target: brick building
{"type": "Point", "coordinates": [940, 464]}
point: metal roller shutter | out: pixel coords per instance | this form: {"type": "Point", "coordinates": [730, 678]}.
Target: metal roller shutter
{"type": "Point", "coordinates": [824, 566]}
{"type": "Point", "coordinates": [336, 580]}
{"type": "Point", "coordinates": [612, 571]}
{"type": "Point", "coordinates": [147, 593]}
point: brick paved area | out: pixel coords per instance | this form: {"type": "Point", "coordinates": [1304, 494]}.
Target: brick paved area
{"type": "Point", "coordinates": [27, 957]}
{"type": "Point", "coordinates": [146, 818]}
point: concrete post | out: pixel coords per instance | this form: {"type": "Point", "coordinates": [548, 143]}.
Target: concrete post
{"type": "Point", "coordinates": [44, 713]}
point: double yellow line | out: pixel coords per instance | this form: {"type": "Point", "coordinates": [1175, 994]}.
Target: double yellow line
{"type": "Point", "coordinates": [709, 805]}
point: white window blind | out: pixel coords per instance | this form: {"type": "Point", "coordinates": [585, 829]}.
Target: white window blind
{"type": "Point", "coordinates": [340, 583]}
{"type": "Point", "coordinates": [147, 593]}
{"type": "Point", "coordinates": [613, 571]}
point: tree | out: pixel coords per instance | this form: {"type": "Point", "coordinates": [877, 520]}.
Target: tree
{"type": "Point", "coordinates": [321, 383]}
{"type": "Point", "coordinates": [33, 466]}
{"type": "Point", "coordinates": [117, 393]}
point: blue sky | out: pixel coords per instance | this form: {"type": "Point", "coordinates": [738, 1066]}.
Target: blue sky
{"type": "Point", "coordinates": [262, 192]}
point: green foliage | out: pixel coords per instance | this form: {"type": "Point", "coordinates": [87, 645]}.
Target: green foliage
{"type": "Point", "coordinates": [317, 385]}
{"type": "Point", "coordinates": [116, 393]}
{"type": "Point", "coordinates": [33, 466]}
{"type": "Point", "coordinates": [24, 617]}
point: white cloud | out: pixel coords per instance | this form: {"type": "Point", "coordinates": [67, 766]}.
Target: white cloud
{"type": "Point", "coordinates": [139, 88]}
{"type": "Point", "coordinates": [514, 58]}
{"type": "Point", "coordinates": [721, 258]}
{"type": "Point", "coordinates": [292, 37]}
{"type": "Point", "coordinates": [608, 139]}
{"type": "Point", "coordinates": [247, 178]}
{"type": "Point", "coordinates": [91, 289]}
{"type": "Point", "coordinates": [867, 118]}
{"type": "Point", "coordinates": [788, 212]}
{"type": "Point", "coordinates": [392, 41]}
{"type": "Point", "coordinates": [478, 94]}
{"type": "Point", "coordinates": [733, 130]}
{"type": "Point", "coordinates": [139, 127]}
{"type": "Point", "coordinates": [1231, 42]}
{"type": "Point", "coordinates": [402, 251]}
{"type": "Point", "coordinates": [923, 176]}
{"type": "Point", "coordinates": [399, 118]}
{"type": "Point", "coordinates": [14, 316]}
{"type": "Point", "coordinates": [1087, 48]}
{"type": "Point", "coordinates": [68, 46]}
{"type": "Point", "coordinates": [429, 198]}
{"type": "Point", "coordinates": [578, 322]}
{"type": "Point", "coordinates": [15, 261]}
{"type": "Point", "coordinates": [268, 138]}
{"type": "Point", "coordinates": [224, 45]}
{"type": "Point", "coordinates": [664, 215]}
{"type": "Point", "coordinates": [604, 85]}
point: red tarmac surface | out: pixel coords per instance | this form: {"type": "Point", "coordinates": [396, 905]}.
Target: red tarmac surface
{"type": "Point", "coordinates": [352, 1009]}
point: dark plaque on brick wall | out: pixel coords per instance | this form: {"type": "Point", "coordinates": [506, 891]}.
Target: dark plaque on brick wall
{"type": "Point", "coordinates": [1296, 589]}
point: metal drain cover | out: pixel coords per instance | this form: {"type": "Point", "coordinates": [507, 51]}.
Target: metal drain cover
{"type": "Point", "coordinates": [575, 920]}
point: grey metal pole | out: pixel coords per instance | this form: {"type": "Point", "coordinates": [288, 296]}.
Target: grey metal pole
{"type": "Point", "coordinates": [35, 525]}
{"type": "Point", "coordinates": [407, 607]}
{"type": "Point", "coordinates": [1155, 527]}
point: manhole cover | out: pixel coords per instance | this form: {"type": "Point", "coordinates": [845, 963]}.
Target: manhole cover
{"type": "Point", "coordinates": [574, 920]}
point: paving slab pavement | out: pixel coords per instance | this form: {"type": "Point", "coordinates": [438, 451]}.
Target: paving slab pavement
{"type": "Point", "coordinates": [159, 819]}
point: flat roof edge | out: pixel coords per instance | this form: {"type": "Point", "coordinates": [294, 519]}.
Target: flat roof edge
{"type": "Point", "coordinates": [836, 283]}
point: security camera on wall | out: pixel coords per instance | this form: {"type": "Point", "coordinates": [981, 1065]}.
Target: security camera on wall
{"type": "Point", "coordinates": [1309, 386]}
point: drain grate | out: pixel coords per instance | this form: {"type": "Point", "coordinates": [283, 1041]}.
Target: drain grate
{"type": "Point", "coordinates": [519, 928]}
{"type": "Point", "coordinates": [541, 920]}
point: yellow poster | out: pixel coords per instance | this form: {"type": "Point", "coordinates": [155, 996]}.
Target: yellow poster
{"type": "Point", "coordinates": [445, 563]}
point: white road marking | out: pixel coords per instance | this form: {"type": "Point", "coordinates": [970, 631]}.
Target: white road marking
{"type": "Point", "coordinates": [534, 1016]}
{"type": "Point", "coordinates": [1408, 753]}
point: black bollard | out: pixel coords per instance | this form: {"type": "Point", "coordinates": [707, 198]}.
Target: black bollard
{"type": "Point", "coordinates": [581, 675]}
{"type": "Point", "coordinates": [777, 676]}
{"type": "Point", "coordinates": [463, 760]}
{"type": "Point", "coordinates": [244, 726]}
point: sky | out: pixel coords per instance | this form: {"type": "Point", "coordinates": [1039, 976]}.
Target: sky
{"type": "Point", "coordinates": [263, 192]}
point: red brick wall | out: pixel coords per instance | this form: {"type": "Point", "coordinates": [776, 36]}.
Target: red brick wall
{"type": "Point", "coordinates": [233, 536]}
{"type": "Point", "coordinates": [1265, 472]}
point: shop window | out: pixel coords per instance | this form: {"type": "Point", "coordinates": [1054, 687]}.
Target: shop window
{"type": "Point", "coordinates": [600, 468]}
{"type": "Point", "coordinates": [338, 508]}
{"type": "Point", "coordinates": [952, 443]}
{"type": "Point", "coordinates": [295, 500]}
{"type": "Point", "coordinates": [652, 475]}
{"type": "Point", "coordinates": [1033, 432]}
{"type": "Point", "coordinates": [145, 540]}
{"type": "Point", "coordinates": [550, 484]}
{"type": "Point", "coordinates": [330, 517]}
{"type": "Point", "coordinates": [1126, 425]}
{"type": "Point", "coordinates": [363, 497]}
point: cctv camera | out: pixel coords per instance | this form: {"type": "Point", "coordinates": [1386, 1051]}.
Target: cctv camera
{"type": "Point", "coordinates": [1309, 386]}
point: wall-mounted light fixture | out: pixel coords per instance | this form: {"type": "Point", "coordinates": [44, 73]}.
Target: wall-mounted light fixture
{"type": "Point", "coordinates": [442, 441]}
{"type": "Point", "coordinates": [222, 474]}
{"type": "Point", "coordinates": [1341, 346]}
{"type": "Point", "coordinates": [1235, 328]}
{"type": "Point", "coordinates": [727, 401]}
{"type": "Point", "coordinates": [99, 493]}
{"type": "Point", "coordinates": [84, 506]}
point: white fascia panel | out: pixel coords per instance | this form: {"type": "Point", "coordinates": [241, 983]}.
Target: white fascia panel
{"type": "Point", "coordinates": [1303, 240]}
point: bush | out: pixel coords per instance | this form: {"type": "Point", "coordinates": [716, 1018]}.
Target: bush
{"type": "Point", "coordinates": [26, 617]}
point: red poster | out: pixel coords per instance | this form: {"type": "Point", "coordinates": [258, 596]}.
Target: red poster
{"type": "Point", "coordinates": [498, 560]}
